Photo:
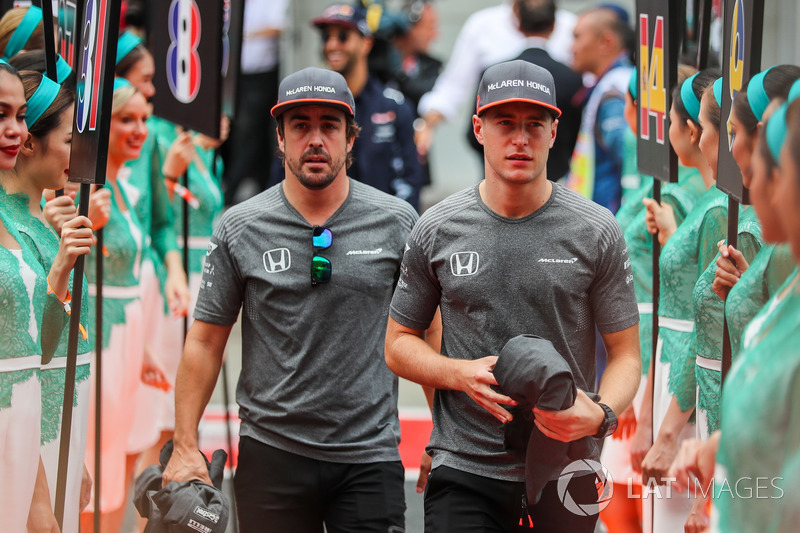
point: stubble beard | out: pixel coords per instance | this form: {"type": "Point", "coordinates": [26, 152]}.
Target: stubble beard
{"type": "Point", "coordinates": [315, 181]}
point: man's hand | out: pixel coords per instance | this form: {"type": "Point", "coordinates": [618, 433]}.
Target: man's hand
{"type": "Point", "coordinates": [423, 132]}
{"type": "Point", "coordinates": [580, 420]}
{"type": "Point", "coordinates": [424, 471]}
{"type": "Point", "coordinates": [731, 264]}
{"type": "Point", "coordinates": [185, 465]}
{"type": "Point", "coordinates": [476, 378]}
{"type": "Point", "coordinates": [660, 218]}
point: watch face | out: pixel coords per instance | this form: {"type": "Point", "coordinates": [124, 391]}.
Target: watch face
{"type": "Point", "coordinates": [612, 426]}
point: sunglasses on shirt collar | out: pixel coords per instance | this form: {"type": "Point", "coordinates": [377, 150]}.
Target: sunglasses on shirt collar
{"type": "Point", "coordinates": [320, 266]}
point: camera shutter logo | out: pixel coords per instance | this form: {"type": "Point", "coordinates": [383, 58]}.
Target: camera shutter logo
{"type": "Point", "coordinates": [464, 263]}
{"type": "Point", "coordinates": [603, 482]}
{"type": "Point", "coordinates": [277, 260]}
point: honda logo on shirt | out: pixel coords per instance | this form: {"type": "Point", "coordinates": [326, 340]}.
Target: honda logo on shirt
{"type": "Point", "coordinates": [464, 263]}
{"type": "Point", "coordinates": [277, 260]}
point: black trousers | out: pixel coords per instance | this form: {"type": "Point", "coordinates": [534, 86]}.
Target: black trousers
{"type": "Point", "coordinates": [457, 501]}
{"type": "Point", "coordinates": [281, 492]}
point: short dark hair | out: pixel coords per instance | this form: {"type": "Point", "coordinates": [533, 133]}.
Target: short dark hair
{"type": "Point", "coordinates": [352, 131]}
{"type": "Point", "coordinates": [536, 16]}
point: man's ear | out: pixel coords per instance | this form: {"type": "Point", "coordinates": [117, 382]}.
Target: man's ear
{"type": "Point", "coordinates": [553, 133]}
{"type": "Point", "coordinates": [477, 128]}
{"type": "Point", "coordinates": [280, 139]}
{"type": "Point", "coordinates": [367, 45]}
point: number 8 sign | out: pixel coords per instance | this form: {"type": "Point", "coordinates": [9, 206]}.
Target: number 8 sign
{"type": "Point", "coordinates": [186, 38]}
{"type": "Point", "coordinates": [183, 61]}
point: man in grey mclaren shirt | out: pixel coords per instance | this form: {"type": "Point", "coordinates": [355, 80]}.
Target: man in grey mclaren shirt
{"type": "Point", "coordinates": [313, 262]}
{"type": "Point", "coordinates": [516, 254]}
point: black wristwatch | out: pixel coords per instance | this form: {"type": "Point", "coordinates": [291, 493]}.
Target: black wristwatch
{"type": "Point", "coordinates": [609, 424]}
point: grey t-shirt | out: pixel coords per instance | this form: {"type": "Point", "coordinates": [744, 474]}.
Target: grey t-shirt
{"type": "Point", "coordinates": [555, 273]}
{"type": "Point", "coordinates": [314, 379]}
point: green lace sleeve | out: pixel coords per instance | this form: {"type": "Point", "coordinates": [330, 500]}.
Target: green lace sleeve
{"type": "Point", "coordinates": [780, 266]}
{"type": "Point", "coordinates": [162, 230]}
{"type": "Point", "coordinates": [713, 229]}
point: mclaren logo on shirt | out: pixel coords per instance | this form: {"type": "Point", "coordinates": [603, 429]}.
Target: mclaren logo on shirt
{"type": "Point", "coordinates": [277, 260]}
{"type": "Point", "coordinates": [464, 263]}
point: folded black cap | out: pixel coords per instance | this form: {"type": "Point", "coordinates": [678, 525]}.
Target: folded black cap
{"type": "Point", "coordinates": [182, 507]}
{"type": "Point", "coordinates": [531, 371]}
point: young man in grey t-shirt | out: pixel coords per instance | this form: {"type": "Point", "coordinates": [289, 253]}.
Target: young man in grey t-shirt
{"type": "Point", "coordinates": [312, 263]}
{"type": "Point", "coordinates": [516, 254]}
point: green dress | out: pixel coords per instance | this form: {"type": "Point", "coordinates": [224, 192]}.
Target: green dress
{"type": "Point", "coordinates": [682, 197]}
{"type": "Point", "coordinates": [21, 311]}
{"type": "Point", "coordinates": [761, 420]}
{"type": "Point", "coordinates": [43, 242]}
{"type": "Point", "coordinates": [149, 196]}
{"type": "Point", "coordinates": [122, 240]}
{"type": "Point", "coordinates": [206, 187]}
{"type": "Point", "coordinates": [683, 258]}
{"type": "Point", "coordinates": [708, 309]}
{"type": "Point", "coordinates": [768, 271]}
{"type": "Point", "coordinates": [635, 186]}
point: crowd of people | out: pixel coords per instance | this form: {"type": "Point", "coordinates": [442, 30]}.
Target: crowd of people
{"type": "Point", "coordinates": [523, 305]}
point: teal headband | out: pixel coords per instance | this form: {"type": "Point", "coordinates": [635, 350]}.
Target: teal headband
{"type": "Point", "coordinates": [757, 95]}
{"type": "Point", "coordinates": [776, 131]}
{"type": "Point", "coordinates": [121, 83]}
{"type": "Point", "coordinates": [794, 92]}
{"type": "Point", "coordinates": [41, 100]}
{"type": "Point", "coordinates": [63, 70]}
{"type": "Point", "coordinates": [717, 89]}
{"type": "Point", "coordinates": [23, 32]}
{"type": "Point", "coordinates": [633, 85]}
{"type": "Point", "coordinates": [125, 45]}
{"type": "Point", "coordinates": [689, 99]}
{"type": "Point", "coordinates": [776, 126]}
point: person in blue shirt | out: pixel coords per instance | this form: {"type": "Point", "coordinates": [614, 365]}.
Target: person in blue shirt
{"type": "Point", "coordinates": [385, 155]}
{"type": "Point", "coordinates": [600, 48]}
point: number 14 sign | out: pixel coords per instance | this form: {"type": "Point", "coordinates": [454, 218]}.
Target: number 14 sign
{"type": "Point", "coordinates": [657, 69]}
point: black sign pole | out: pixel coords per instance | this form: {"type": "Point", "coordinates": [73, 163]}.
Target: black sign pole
{"type": "Point", "coordinates": [744, 20]}
{"type": "Point", "coordinates": [49, 39]}
{"type": "Point", "coordinates": [88, 159]}
{"type": "Point", "coordinates": [658, 28]}
{"type": "Point", "coordinates": [703, 37]}
{"type": "Point", "coordinates": [185, 223]}
{"type": "Point", "coordinates": [98, 389]}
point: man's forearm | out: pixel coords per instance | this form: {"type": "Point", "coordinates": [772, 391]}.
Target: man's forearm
{"type": "Point", "coordinates": [620, 381]}
{"type": "Point", "coordinates": [623, 371]}
{"type": "Point", "coordinates": [195, 382]}
{"type": "Point", "coordinates": [410, 357]}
